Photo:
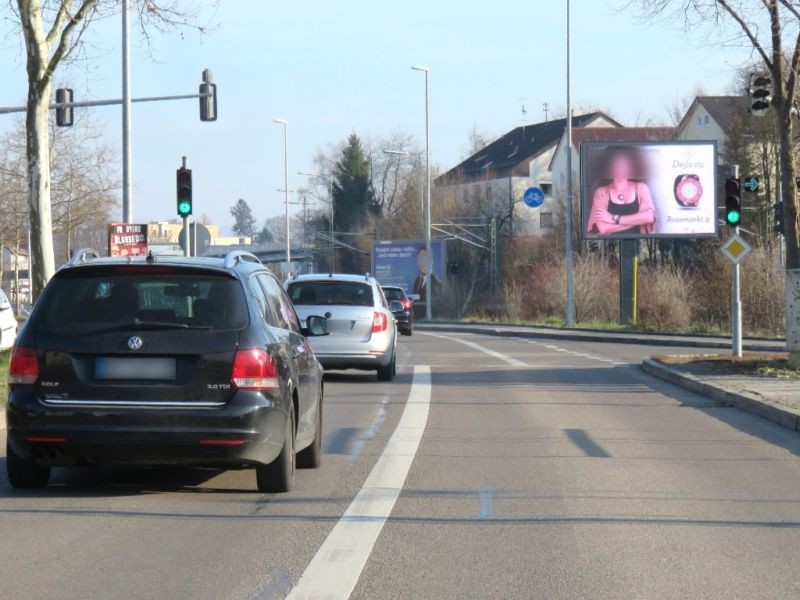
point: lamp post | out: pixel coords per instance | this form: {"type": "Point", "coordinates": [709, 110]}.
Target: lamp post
{"type": "Point", "coordinates": [429, 280]}
{"type": "Point", "coordinates": [285, 124]}
{"type": "Point", "coordinates": [330, 200]}
{"type": "Point", "coordinates": [127, 187]}
{"type": "Point", "coordinates": [570, 316]}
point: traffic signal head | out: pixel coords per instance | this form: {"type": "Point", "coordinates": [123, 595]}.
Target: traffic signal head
{"type": "Point", "coordinates": [778, 218]}
{"type": "Point", "coordinates": [184, 197]}
{"type": "Point", "coordinates": [760, 95]}
{"type": "Point", "coordinates": [208, 101]}
{"type": "Point", "coordinates": [64, 115]}
{"type": "Point", "coordinates": [733, 202]}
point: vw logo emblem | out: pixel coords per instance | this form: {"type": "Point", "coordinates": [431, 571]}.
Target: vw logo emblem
{"type": "Point", "coordinates": [135, 342]}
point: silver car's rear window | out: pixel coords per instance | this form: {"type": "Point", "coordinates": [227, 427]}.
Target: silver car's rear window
{"type": "Point", "coordinates": [330, 293]}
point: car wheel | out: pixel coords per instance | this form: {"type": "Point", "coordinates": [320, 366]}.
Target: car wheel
{"type": "Point", "coordinates": [24, 473]}
{"type": "Point", "coordinates": [387, 373]}
{"type": "Point", "coordinates": [278, 476]}
{"type": "Point", "coordinates": [311, 457]}
{"type": "Point", "coordinates": [410, 330]}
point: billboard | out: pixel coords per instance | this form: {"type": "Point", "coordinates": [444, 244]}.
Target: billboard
{"type": "Point", "coordinates": [126, 239]}
{"type": "Point", "coordinates": [648, 190]}
{"type": "Point", "coordinates": [405, 264]}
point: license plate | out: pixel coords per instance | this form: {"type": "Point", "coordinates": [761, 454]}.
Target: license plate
{"type": "Point", "coordinates": [134, 368]}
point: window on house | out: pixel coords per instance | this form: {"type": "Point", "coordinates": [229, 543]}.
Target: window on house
{"type": "Point", "coordinates": [699, 120]}
{"type": "Point", "coordinates": [547, 188]}
{"type": "Point", "coordinates": [546, 220]}
{"type": "Point", "coordinates": [706, 120]}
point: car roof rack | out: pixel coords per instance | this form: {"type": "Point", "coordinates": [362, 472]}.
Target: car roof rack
{"type": "Point", "coordinates": [234, 257]}
{"type": "Point", "coordinates": [83, 256]}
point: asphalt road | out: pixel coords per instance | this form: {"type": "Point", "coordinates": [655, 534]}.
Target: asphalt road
{"type": "Point", "coordinates": [525, 469]}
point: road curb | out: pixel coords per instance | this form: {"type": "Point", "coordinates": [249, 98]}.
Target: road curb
{"type": "Point", "coordinates": [590, 336]}
{"type": "Point", "coordinates": [763, 408]}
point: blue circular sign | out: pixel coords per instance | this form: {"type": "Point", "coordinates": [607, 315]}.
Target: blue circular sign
{"type": "Point", "coordinates": [533, 197]}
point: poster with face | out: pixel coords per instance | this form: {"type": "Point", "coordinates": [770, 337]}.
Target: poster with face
{"type": "Point", "coordinates": [408, 264]}
{"type": "Point", "coordinates": [648, 190]}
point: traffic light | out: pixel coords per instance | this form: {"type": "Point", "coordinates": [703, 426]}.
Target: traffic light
{"type": "Point", "coordinates": [208, 98]}
{"type": "Point", "coordinates": [64, 115]}
{"type": "Point", "coordinates": [778, 218]}
{"type": "Point", "coordinates": [184, 192]}
{"type": "Point", "coordinates": [760, 95]}
{"type": "Point", "coordinates": [733, 201]}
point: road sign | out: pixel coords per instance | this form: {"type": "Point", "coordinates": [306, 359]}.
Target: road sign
{"type": "Point", "coordinates": [533, 197]}
{"type": "Point", "coordinates": [736, 249]}
{"type": "Point", "coordinates": [751, 184]}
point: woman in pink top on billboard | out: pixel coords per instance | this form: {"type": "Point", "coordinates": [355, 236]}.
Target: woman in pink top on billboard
{"type": "Point", "coordinates": [621, 203]}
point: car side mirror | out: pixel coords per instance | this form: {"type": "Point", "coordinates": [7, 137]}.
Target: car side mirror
{"type": "Point", "coordinates": [396, 306]}
{"type": "Point", "coordinates": [316, 326]}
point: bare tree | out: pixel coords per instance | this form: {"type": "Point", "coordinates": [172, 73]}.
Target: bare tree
{"type": "Point", "coordinates": [52, 31]}
{"type": "Point", "coordinates": [772, 29]}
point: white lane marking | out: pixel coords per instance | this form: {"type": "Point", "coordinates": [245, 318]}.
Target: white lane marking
{"type": "Point", "coordinates": [511, 361]}
{"type": "Point", "coordinates": [334, 571]}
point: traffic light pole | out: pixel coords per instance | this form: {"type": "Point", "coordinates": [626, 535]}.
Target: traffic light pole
{"type": "Point", "coordinates": [736, 295]}
{"type": "Point", "coordinates": [186, 242]}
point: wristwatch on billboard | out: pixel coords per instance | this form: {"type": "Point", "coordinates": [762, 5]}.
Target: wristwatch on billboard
{"type": "Point", "coordinates": [688, 190]}
{"type": "Point", "coordinates": [616, 219]}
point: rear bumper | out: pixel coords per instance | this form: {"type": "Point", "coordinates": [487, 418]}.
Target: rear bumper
{"type": "Point", "coordinates": [248, 430]}
{"type": "Point", "coordinates": [354, 361]}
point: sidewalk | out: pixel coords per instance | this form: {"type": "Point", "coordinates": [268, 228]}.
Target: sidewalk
{"type": "Point", "coordinates": [616, 337]}
{"type": "Point", "coordinates": [777, 400]}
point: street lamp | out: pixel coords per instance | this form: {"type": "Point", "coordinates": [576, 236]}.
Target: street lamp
{"type": "Point", "coordinates": [285, 124]}
{"type": "Point", "coordinates": [330, 200]}
{"type": "Point", "coordinates": [429, 280]}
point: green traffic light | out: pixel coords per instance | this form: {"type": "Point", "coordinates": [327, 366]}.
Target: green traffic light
{"type": "Point", "coordinates": [733, 217]}
{"type": "Point", "coordinates": [184, 208]}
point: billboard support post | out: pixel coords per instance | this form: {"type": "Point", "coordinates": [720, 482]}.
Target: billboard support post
{"type": "Point", "coordinates": [628, 276]}
{"type": "Point", "coordinates": [736, 295]}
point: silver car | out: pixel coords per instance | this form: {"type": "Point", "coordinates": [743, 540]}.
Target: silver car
{"type": "Point", "coordinates": [8, 323]}
{"type": "Point", "coordinates": [363, 331]}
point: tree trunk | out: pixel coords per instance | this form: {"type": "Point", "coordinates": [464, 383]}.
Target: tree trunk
{"type": "Point", "coordinates": [783, 116]}
{"type": "Point", "coordinates": [38, 155]}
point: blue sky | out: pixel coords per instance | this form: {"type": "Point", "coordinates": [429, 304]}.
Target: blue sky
{"type": "Point", "coordinates": [333, 68]}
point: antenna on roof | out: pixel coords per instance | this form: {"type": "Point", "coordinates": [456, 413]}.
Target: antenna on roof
{"type": "Point", "coordinates": [546, 109]}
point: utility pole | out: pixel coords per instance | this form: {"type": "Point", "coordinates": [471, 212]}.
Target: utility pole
{"type": "Point", "coordinates": [285, 124]}
{"type": "Point", "coordinates": [736, 294]}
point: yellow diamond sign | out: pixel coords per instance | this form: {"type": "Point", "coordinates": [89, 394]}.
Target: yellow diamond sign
{"type": "Point", "coordinates": [736, 248]}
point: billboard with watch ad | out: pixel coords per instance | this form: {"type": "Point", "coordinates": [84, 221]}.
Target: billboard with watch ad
{"type": "Point", "coordinates": [648, 190]}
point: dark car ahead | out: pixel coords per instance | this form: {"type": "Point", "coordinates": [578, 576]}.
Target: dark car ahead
{"type": "Point", "coordinates": [404, 317]}
{"type": "Point", "coordinates": [188, 361]}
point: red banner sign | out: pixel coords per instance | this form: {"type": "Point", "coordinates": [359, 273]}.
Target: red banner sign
{"type": "Point", "coordinates": [126, 239]}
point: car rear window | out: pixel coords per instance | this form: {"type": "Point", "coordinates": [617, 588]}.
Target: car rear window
{"type": "Point", "coordinates": [394, 294]}
{"type": "Point", "coordinates": [88, 301]}
{"type": "Point", "coordinates": [316, 293]}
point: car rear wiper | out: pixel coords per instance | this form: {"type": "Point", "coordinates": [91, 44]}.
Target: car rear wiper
{"type": "Point", "coordinates": [139, 324]}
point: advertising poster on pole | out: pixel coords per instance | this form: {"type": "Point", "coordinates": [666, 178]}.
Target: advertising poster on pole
{"type": "Point", "coordinates": [648, 190]}
{"type": "Point", "coordinates": [406, 263]}
{"type": "Point", "coordinates": [127, 239]}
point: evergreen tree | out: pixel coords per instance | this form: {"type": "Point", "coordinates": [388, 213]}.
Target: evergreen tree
{"type": "Point", "coordinates": [353, 195]}
{"type": "Point", "coordinates": [244, 221]}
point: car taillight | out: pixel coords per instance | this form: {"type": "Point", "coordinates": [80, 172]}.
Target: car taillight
{"type": "Point", "coordinates": [408, 303]}
{"type": "Point", "coordinates": [254, 370]}
{"type": "Point", "coordinates": [379, 322]}
{"type": "Point", "coordinates": [24, 365]}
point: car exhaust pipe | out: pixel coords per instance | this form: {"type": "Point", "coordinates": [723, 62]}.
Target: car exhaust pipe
{"type": "Point", "coordinates": [40, 454]}
{"type": "Point", "coordinates": [53, 454]}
